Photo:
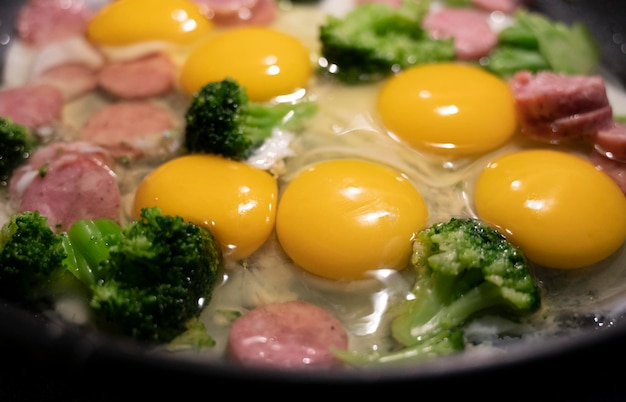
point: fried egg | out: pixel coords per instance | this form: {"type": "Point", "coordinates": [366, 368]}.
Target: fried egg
{"type": "Point", "coordinates": [451, 109]}
{"type": "Point", "coordinates": [560, 209]}
{"type": "Point", "coordinates": [235, 201]}
{"type": "Point", "coordinates": [267, 62]}
{"type": "Point", "coordinates": [340, 219]}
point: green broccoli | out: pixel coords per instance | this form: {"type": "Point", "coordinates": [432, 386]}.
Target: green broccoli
{"type": "Point", "coordinates": [221, 119]}
{"type": "Point", "coordinates": [464, 269]}
{"type": "Point", "coordinates": [16, 145]}
{"type": "Point", "coordinates": [375, 40]}
{"type": "Point", "coordinates": [148, 279]}
{"type": "Point", "coordinates": [532, 42]}
{"type": "Point", "coordinates": [31, 256]}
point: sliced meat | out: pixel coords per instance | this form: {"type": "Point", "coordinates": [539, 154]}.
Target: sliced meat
{"type": "Point", "coordinates": [470, 29]}
{"type": "Point", "coordinates": [294, 334]}
{"type": "Point", "coordinates": [554, 107]}
{"type": "Point", "coordinates": [129, 128]}
{"type": "Point", "coordinates": [614, 168]}
{"type": "Point", "coordinates": [69, 185]}
{"type": "Point", "coordinates": [239, 12]}
{"type": "Point", "coordinates": [40, 22]}
{"type": "Point", "coordinates": [610, 141]}
{"type": "Point", "coordinates": [151, 75]}
{"type": "Point", "coordinates": [73, 79]}
{"type": "Point", "coordinates": [33, 106]}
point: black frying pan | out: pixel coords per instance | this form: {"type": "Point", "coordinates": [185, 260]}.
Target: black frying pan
{"type": "Point", "coordinates": [46, 360]}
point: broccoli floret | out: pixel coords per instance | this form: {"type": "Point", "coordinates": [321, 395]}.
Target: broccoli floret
{"type": "Point", "coordinates": [16, 145]}
{"type": "Point", "coordinates": [375, 40]}
{"type": "Point", "coordinates": [532, 42]}
{"type": "Point", "coordinates": [30, 257]}
{"type": "Point", "coordinates": [149, 278]}
{"type": "Point", "coordinates": [464, 268]}
{"type": "Point", "coordinates": [221, 119]}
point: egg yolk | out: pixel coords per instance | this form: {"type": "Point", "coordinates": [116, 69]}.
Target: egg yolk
{"type": "Point", "coordinates": [342, 218]}
{"type": "Point", "coordinates": [561, 210]}
{"type": "Point", "coordinates": [448, 108]}
{"type": "Point", "coordinates": [125, 22]}
{"type": "Point", "coordinates": [268, 63]}
{"type": "Point", "coordinates": [235, 201]}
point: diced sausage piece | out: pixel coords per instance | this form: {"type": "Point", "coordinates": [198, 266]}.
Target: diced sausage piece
{"type": "Point", "coordinates": [505, 6]}
{"type": "Point", "coordinates": [33, 106]}
{"type": "Point", "coordinates": [614, 168]}
{"type": "Point", "coordinates": [470, 29]}
{"type": "Point", "coordinates": [73, 79]}
{"type": "Point", "coordinates": [294, 334]}
{"type": "Point", "coordinates": [239, 12]}
{"type": "Point", "coordinates": [554, 107]}
{"type": "Point", "coordinates": [69, 186]}
{"type": "Point", "coordinates": [611, 141]}
{"type": "Point", "coordinates": [151, 75]}
{"type": "Point", "coordinates": [129, 128]}
{"type": "Point", "coordinates": [40, 22]}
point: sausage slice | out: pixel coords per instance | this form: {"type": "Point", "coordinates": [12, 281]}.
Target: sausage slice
{"type": "Point", "coordinates": [294, 334]}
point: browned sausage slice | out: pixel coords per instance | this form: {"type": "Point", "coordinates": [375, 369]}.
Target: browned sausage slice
{"type": "Point", "coordinates": [294, 334]}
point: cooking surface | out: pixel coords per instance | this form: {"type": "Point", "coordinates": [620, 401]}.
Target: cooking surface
{"type": "Point", "coordinates": [48, 362]}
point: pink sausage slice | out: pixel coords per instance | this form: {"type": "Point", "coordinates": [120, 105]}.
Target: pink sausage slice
{"type": "Point", "coordinates": [69, 185]}
{"type": "Point", "coordinates": [33, 106]}
{"type": "Point", "coordinates": [41, 22]}
{"type": "Point", "coordinates": [611, 141]}
{"type": "Point", "coordinates": [472, 34]}
{"type": "Point", "coordinates": [129, 128]}
{"type": "Point", "coordinates": [294, 334]}
{"type": "Point", "coordinates": [73, 79]}
{"type": "Point", "coordinates": [151, 75]}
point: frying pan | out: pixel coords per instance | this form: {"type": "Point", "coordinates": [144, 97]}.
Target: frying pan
{"type": "Point", "coordinates": [44, 359]}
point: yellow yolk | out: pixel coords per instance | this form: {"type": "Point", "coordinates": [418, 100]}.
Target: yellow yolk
{"type": "Point", "coordinates": [342, 218]}
{"type": "Point", "coordinates": [235, 201]}
{"type": "Point", "coordinates": [125, 22]}
{"type": "Point", "coordinates": [561, 210]}
{"type": "Point", "coordinates": [448, 108]}
{"type": "Point", "coordinates": [268, 63]}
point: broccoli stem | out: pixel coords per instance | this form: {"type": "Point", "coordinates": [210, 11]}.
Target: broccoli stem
{"type": "Point", "coordinates": [413, 328]}
{"type": "Point", "coordinates": [261, 119]}
{"type": "Point", "coordinates": [443, 343]}
{"type": "Point", "coordinates": [75, 262]}
{"type": "Point", "coordinates": [87, 244]}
